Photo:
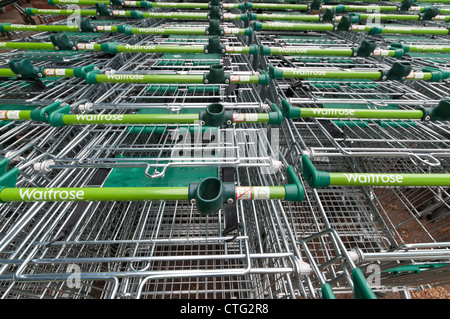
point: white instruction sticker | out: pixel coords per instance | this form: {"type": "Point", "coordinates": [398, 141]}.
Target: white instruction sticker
{"type": "Point", "coordinates": [251, 117]}
{"type": "Point", "coordinates": [243, 193]}
{"type": "Point", "coordinates": [60, 71]}
{"type": "Point", "coordinates": [13, 115]}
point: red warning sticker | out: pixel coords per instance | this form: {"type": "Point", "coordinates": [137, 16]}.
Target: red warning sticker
{"type": "Point", "coordinates": [49, 71]}
{"type": "Point", "coordinates": [238, 117]}
{"type": "Point", "coordinates": [243, 193]}
{"type": "Point", "coordinates": [3, 115]}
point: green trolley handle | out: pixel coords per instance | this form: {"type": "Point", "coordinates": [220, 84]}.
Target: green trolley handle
{"type": "Point", "coordinates": [399, 71]}
{"type": "Point", "coordinates": [370, 29]}
{"type": "Point", "coordinates": [103, 11]}
{"type": "Point", "coordinates": [216, 75]}
{"type": "Point", "coordinates": [209, 195]}
{"type": "Point", "coordinates": [65, 43]}
{"type": "Point", "coordinates": [148, 4]}
{"type": "Point", "coordinates": [440, 112]}
{"type": "Point", "coordinates": [317, 179]}
{"type": "Point", "coordinates": [57, 114]}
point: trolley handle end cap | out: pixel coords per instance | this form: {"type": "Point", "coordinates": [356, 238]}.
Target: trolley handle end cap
{"type": "Point", "coordinates": [248, 5]}
{"type": "Point", "coordinates": [29, 11]}
{"type": "Point", "coordinates": [440, 112]}
{"type": "Point", "coordinates": [290, 111]}
{"type": "Point", "coordinates": [257, 26]}
{"type": "Point", "coordinates": [275, 73]}
{"type": "Point", "coordinates": [263, 78]}
{"type": "Point", "coordinates": [294, 189]}
{"type": "Point", "coordinates": [275, 117]}
{"type": "Point", "coordinates": [264, 50]}
{"type": "Point", "coordinates": [314, 177]}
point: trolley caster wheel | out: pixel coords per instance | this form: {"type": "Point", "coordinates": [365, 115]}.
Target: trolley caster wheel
{"type": "Point", "coordinates": [3, 10]}
{"type": "Point", "coordinates": [439, 213]}
{"type": "Point", "coordinates": [11, 35]}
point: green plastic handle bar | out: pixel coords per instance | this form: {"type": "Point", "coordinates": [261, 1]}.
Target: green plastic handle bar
{"type": "Point", "coordinates": [7, 27]}
{"type": "Point", "coordinates": [355, 28]}
{"type": "Point", "coordinates": [93, 78]}
{"type": "Point", "coordinates": [440, 112]}
{"type": "Point", "coordinates": [317, 179]}
{"type": "Point", "coordinates": [35, 11]}
{"type": "Point", "coordinates": [291, 50]}
{"type": "Point", "coordinates": [184, 31]}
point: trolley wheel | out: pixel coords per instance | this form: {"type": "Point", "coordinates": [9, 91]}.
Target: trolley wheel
{"type": "Point", "coordinates": [3, 10]}
{"type": "Point", "coordinates": [11, 35]}
{"type": "Point", "coordinates": [381, 294]}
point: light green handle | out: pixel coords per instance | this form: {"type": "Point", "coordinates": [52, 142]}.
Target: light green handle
{"type": "Point", "coordinates": [172, 31]}
{"type": "Point", "coordinates": [360, 113]}
{"type": "Point", "coordinates": [144, 78]}
{"type": "Point", "coordinates": [381, 179]}
{"type": "Point", "coordinates": [50, 28]}
{"type": "Point", "coordinates": [87, 119]}
{"type": "Point", "coordinates": [93, 194]}
{"type": "Point", "coordinates": [128, 194]}
{"type": "Point", "coordinates": [330, 74]}
{"type": "Point", "coordinates": [34, 11]}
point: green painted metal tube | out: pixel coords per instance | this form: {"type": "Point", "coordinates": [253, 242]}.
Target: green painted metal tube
{"type": "Point", "coordinates": [38, 28]}
{"type": "Point", "coordinates": [388, 179]}
{"type": "Point", "coordinates": [360, 113]}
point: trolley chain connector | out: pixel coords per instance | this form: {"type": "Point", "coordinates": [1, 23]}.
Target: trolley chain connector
{"type": "Point", "coordinates": [208, 196]}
